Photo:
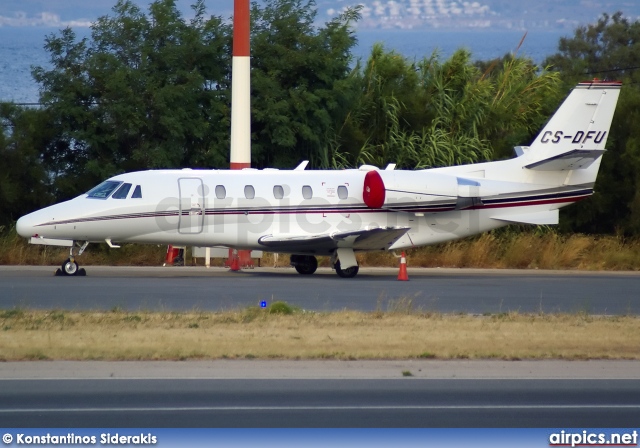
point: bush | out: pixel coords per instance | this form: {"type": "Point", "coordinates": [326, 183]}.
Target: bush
{"type": "Point", "coordinates": [280, 308]}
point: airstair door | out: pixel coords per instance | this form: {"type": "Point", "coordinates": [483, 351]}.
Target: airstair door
{"type": "Point", "coordinates": [191, 205]}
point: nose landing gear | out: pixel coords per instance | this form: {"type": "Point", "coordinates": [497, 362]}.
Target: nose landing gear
{"type": "Point", "coordinates": [70, 266]}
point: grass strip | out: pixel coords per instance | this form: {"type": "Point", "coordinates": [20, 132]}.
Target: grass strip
{"type": "Point", "coordinates": [540, 248]}
{"type": "Point", "coordinates": [281, 332]}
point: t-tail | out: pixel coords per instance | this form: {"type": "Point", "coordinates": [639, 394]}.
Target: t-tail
{"type": "Point", "coordinates": [574, 139]}
{"type": "Point", "coordinates": [559, 168]}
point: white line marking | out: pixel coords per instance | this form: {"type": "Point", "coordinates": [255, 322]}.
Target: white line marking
{"type": "Point", "coordinates": [395, 377]}
{"type": "Point", "coordinates": [323, 408]}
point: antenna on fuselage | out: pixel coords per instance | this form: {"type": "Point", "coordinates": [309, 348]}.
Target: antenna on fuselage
{"type": "Point", "coordinates": [302, 166]}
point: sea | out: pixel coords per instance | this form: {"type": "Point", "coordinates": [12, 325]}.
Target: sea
{"type": "Point", "coordinates": [22, 48]}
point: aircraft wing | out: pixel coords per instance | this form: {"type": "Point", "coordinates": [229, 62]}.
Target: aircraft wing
{"type": "Point", "coordinates": [378, 238]}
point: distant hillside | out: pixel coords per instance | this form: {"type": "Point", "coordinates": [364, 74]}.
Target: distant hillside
{"type": "Point", "coordinates": [481, 14]}
{"type": "Point", "coordinates": [399, 14]}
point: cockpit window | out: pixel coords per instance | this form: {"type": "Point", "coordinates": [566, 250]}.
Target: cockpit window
{"type": "Point", "coordinates": [137, 193]}
{"type": "Point", "coordinates": [122, 192]}
{"type": "Point", "coordinates": [103, 190]}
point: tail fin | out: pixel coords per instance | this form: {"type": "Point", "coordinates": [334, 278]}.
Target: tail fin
{"type": "Point", "coordinates": [575, 137]}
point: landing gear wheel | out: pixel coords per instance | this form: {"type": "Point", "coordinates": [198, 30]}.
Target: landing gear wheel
{"type": "Point", "coordinates": [346, 273]}
{"type": "Point", "coordinates": [69, 267]}
{"type": "Point", "coordinates": [304, 264]}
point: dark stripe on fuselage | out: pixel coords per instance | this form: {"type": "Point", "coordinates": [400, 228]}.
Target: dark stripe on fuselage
{"type": "Point", "coordinates": [538, 199]}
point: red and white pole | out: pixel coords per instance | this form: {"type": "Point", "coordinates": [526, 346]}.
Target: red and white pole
{"type": "Point", "coordinates": [241, 88]}
{"type": "Point", "coordinates": [240, 107]}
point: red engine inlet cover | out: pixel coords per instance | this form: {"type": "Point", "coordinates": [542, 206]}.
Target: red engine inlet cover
{"type": "Point", "coordinates": [373, 192]}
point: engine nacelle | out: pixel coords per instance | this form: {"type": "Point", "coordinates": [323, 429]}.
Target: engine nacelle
{"type": "Point", "coordinates": [409, 188]}
{"type": "Point", "coordinates": [373, 191]}
{"type": "Point", "coordinates": [421, 191]}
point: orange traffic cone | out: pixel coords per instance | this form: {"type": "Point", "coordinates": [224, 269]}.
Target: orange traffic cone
{"type": "Point", "coordinates": [235, 261]}
{"type": "Point", "coordinates": [402, 275]}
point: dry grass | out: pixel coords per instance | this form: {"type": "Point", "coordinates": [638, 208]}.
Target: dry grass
{"type": "Point", "coordinates": [255, 333]}
{"type": "Point", "coordinates": [522, 250]}
{"type": "Point", "coordinates": [532, 249]}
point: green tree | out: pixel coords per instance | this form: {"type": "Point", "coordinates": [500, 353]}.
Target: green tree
{"type": "Point", "coordinates": [386, 100]}
{"type": "Point", "coordinates": [433, 113]}
{"type": "Point", "coordinates": [523, 97]}
{"type": "Point", "coordinates": [146, 91]}
{"type": "Point", "coordinates": [24, 134]}
{"type": "Point", "coordinates": [299, 82]}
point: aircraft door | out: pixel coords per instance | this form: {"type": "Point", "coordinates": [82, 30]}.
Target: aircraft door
{"type": "Point", "coordinates": [191, 205]}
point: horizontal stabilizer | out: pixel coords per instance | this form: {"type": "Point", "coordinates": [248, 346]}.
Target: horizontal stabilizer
{"type": "Point", "coordinates": [572, 160]}
{"type": "Point", "coordinates": [379, 238]}
{"type": "Point", "coordinates": [538, 218]}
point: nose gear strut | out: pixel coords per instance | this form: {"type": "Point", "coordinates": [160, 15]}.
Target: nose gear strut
{"type": "Point", "coordinates": [70, 266]}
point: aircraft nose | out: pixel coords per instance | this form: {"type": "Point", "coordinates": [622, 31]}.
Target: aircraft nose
{"type": "Point", "coordinates": [25, 226]}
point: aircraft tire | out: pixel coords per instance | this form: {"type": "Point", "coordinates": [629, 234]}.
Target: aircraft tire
{"type": "Point", "coordinates": [306, 264]}
{"type": "Point", "coordinates": [69, 267]}
{"type": "Point", "coordinates": [346, 273]}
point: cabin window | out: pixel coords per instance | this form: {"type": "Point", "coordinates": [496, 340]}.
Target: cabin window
{"type": "Point", "coordinates": [278, 192]}
{"type": "Point", "coordinates": [249, 192]}
{"type": "Point", "coordinates": [137, 193]}
{"type": "Point", "coordinates": [307, 192]}
{"type": "Point", "coordinates": [221, 192]}
{"type": "Point", "coordinates": [122, 192]}
{"type": "Point", "coordinates": [343, 193]}
{"type": "Point", "coordinates": [103, 190]}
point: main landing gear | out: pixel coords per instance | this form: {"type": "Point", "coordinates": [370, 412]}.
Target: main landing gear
{"type": "Point", "coordinates": [345, 273]}
{"type": "Point", "coordinates": [307, 265]}
{"type": "Point", "coordinates": [70, 266]}
{"type": "Point", "coordinates": [304, 264]}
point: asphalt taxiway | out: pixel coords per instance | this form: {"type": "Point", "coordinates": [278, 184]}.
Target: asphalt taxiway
{"type": "Point", "coordinates": [307, 394]}
{"type": "Point", "coordinates": [443, 290]}
{"type": "Point", "coordinates": [252, 393]}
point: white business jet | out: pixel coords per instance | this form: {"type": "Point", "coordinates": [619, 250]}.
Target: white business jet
{"type": "Point", "coordinates": [340, 212]}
